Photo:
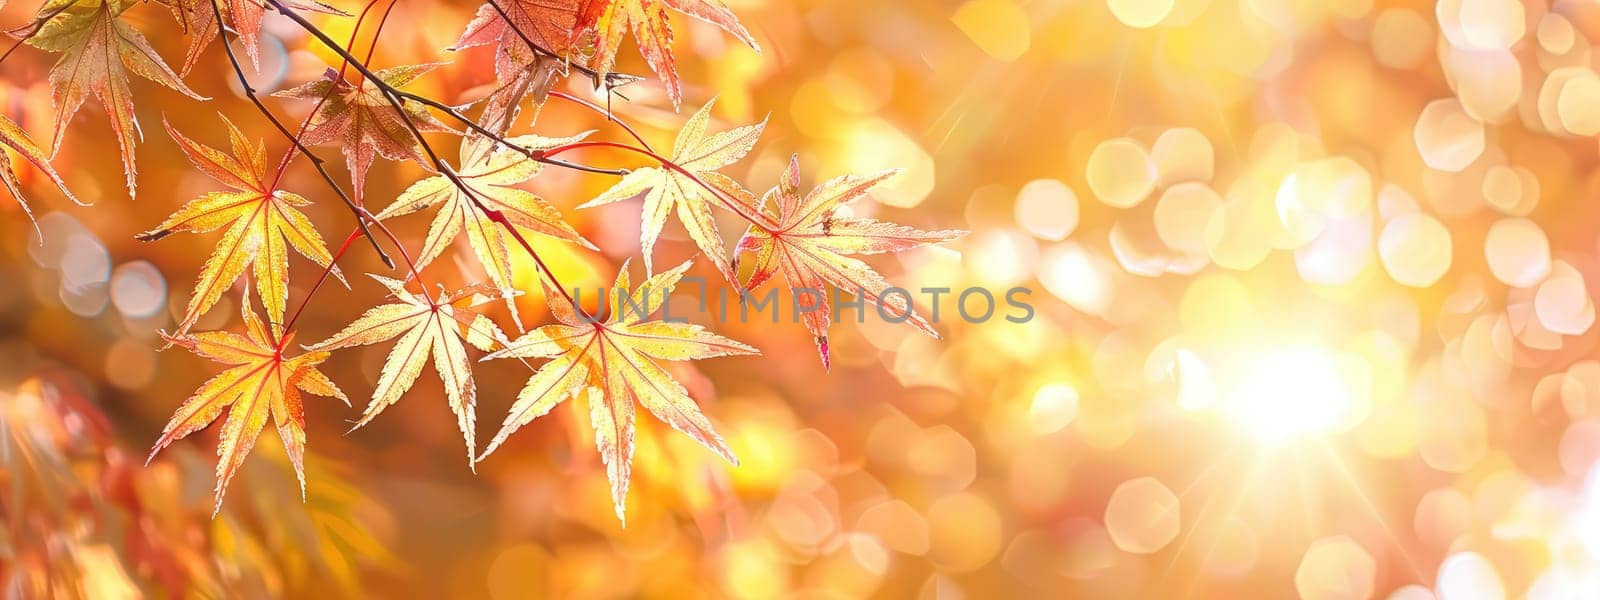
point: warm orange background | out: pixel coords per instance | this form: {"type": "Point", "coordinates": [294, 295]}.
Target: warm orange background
{"type": "Point", "coordinates": [1314, 285]}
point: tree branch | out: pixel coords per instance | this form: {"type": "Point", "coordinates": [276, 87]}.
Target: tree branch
{"type": "Point", "coordinates": [250, 92]}
{"type": "Point", "coordinates": [610, 116]}
{"type": "Point", "coordinates": [498, 139]}
{"type": "Point", "coordinates": [396, 100]}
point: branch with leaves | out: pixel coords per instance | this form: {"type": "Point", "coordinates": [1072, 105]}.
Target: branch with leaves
{"type": "Point", "coordinates": [609, 360]}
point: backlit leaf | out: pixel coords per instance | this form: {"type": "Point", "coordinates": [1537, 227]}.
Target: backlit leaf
{"type": "Point", "coordinates": [199, 21]}
{"type": "Point", "coordinates": [533, 42]}
{"type": "Point", "coordinates": [548, 24]}
{"type": "Point", "coordinates": [425, 326]}
{"type": "Point", "coordinates": [363, 123]}
{"type": "Point", "coordinates": [260, 383]}
{"type": "Point", "coordinates": [261, 221]}
{"type": "Point", "coordinates": [667, 190]}
{"type": "Point", "coordinates": [613, 364]}
{"type": "Point", "coordinates": [97, 51]}
{"type": "Point", "coordinates": [15, 138]}
{"type": "Point", "coordinates": [647, 19]}
{"type": "Point", "coordinates": [490, 176]}
{"type": "Point", "coordinates": [810, 246]}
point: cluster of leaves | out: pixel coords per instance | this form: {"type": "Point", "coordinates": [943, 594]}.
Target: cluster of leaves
{"type": "Point", "coordinates": [78, 516]}
{"type": "Point", "coordinates": [607, 359]}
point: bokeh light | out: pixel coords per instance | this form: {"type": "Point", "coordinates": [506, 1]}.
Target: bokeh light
{"type": "Point", "coordinates": [1313, 315]}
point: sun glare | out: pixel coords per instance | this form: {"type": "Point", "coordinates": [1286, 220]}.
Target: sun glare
{"type": "Point", "coordinates": [1291, 393]}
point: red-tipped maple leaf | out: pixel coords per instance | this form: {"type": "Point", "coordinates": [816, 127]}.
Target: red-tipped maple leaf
{"type": "Point", "coordinates": [199, 20]}
{"type": "Point", "coordinates": [810, 245]}
{"type": "Point", "coordinates": [358, 118]}
{"type": "Point", "coordinates": [98, 50]}
{"type": "Point", "coordinates": [426, 326]}
{"type": "Point", "coordinates": [647, 19]}
{"type": "Point", "coordinates": [14, 137]}
{"type": "Point", "coordinates": [261, 383]}
{"type": "Point", "coordinates": [262, 222]}
{"type": "Point", "coordinates": [613, 364]}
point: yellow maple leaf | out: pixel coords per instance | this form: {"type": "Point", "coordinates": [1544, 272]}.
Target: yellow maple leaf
{"type": "Point", "coordinates": [667, 189]}
{"type": "Point", "coordinates": [13, 136]}
{"type": "Point", "coordinates": [488, 175]}
{"type": "Point", "coordinates": [97, 51]}
{"type": "Point", "coordinates": [425, 326]}
{"type": "Point", "coordinates": [611, 363]}
{"type": "Point", "coordinates": [262, 383]}
{"type": "Point", "coordinates": [262, 223]}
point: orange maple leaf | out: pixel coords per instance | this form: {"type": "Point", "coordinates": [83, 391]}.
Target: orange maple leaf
{"type": "Point", "coordinates": [546, 23]}
{"type": "Point", "coordinates": [647, 19]}
{"type": "Point", "coordinates": [810, 246]}
{"type": "Point", "coordinates": [262, 222]}
{"type": "Point", "coordinates": [97, 51]}
{"type": "Point", "coordinates": [14, 137]}
{"type": "Point", "coordinates": [262, 383]}
{"type": "Point", "coordinates": [611, 363]}
{"type": "Point", "coordinates": [526, 30]}
{"type": "Point", "coordinates": [358, 118]}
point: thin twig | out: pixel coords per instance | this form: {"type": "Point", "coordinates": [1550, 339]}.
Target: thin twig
{"type": "Point", "coordinates": [321, 279]}
{"type": "Point", "coordinates": [373, 47]}
{"type": "Point", "coordinates": [345, 247]}
{"type": "Point", "coordinates": [755, 219]}
{"type": "Point", "coordinates": [288, 157]}
{"type": "Point", "coordinates": [610, 116]}
{"type": "Point", "coordinates": [497, 138]}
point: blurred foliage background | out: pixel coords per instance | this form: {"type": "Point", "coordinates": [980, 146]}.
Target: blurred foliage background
{"type": "Point", "coordinates": [1314, 286]}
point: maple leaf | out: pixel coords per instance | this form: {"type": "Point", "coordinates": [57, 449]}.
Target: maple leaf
{"type": "Point", "coordinates": [669, 189]}
{"type": "Point", "coordinates": [98, 50]}
{"type": "Point", "coordinates": [15, 138]}
{"type": "Point", "coordinates": [810, 246]}
{"type": "Point", "coordinates": [358, 118]}
{"type": "Point", "coordinates": [612, 363]}
{"type": "Point", "coordinates": [533, 42]}
{"type": "Point", "coordinates": [425, 326]}
{"type": "Point", "coordinates": [548, 24]}
{"type": "Point", "coordinates": [262, 382]}
{"type": "Point", "coordinates": [244, 17]}
{"type": "Point", "coordinates": [262, 223]}
{"type": "Point", "coordinates": [488, 174]}
{"type": "Point", "coordinates": [611, 19]}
